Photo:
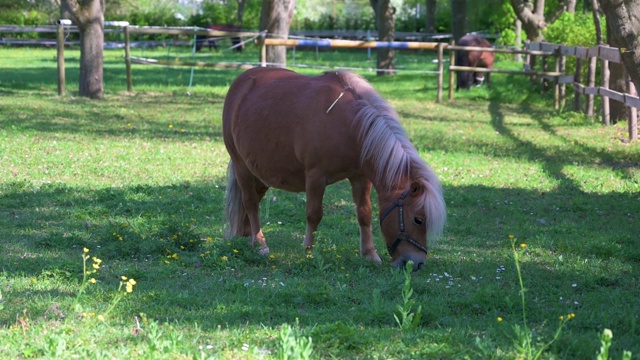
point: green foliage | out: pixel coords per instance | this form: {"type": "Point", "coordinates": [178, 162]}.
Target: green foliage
{"type": "Point", "coordinates": [502, 22]}
{"type": "Point", "coordinates": [573, 30]}
{"type": "Point", "coordinates": [24, 18]}
{"type": "Point", "coordinates": [605, 344]}
{"type": "Point", "coordinates": [406, 319]}
{"type": "Point", "coordinates": [293, 346]}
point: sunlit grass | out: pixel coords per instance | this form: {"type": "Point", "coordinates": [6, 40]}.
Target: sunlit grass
{"type": "Point", "coordinates": [138, 178]}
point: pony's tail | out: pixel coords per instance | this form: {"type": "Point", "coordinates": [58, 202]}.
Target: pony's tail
{"type": "Point", "coordinates": [234, 213]}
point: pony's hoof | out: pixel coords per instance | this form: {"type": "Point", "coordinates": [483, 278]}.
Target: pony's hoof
{"type": "Point", "coordinates": [374, 257]}
{"type": "Point", "coordinates": [264, 250]}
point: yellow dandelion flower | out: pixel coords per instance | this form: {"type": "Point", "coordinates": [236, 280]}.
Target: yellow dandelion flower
{"type": "Point", "coordinates": [129, 288]}
{"type": "Point", "coordinates": [132, 282]}
{"type": "Point", "coordinates": [181, 247]}
{"type": "Point", "coordinates": [224, 258]}
{"type": "Point", "coordinates": [124, 278]}
{"type": "Point", "coordinates": [272, 257]}
{"type": "Point", "coordinates": [201, 255]}
{"type": "Point", "coordinates": [100, 317]}
{"type": "Point", "coordinates": [511, 236]}
{"type": "Point", "coordinates": [96, 266]}
{"type": "Point", "coordinates": [499, 319]}
{"type": "Point", "coordinates": [167, 262]}
{"type": "Point", "coordinates": [523, 245]}
{"type": "Point", "coordinates": [93, 281]}
{"type": "Point", "coordinates": [209, 238]}
{"type": "Point", "coordinates": [235, 251]}
{"type": "Point", "coordinates": [85, 250]}
{"type": "Point", "coordinates": [96, 260]}
{"type": "Point", "coordinates": [191, 241]}
{"type": "Point", "coordinates": [170, 126]}
{"type": "Point", "coordinates": [561, 317]}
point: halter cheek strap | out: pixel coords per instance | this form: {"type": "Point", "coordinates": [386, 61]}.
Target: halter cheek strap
{"type": "Point", "coordinates": [402, 235]}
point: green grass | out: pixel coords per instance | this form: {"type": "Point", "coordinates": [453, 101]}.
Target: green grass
{"type": "Point", "coordinates": [138, 179]}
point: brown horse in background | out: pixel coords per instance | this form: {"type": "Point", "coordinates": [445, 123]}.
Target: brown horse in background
{"type": "Point", "coordinates": [211, 42]}
{"type": "Point", "coordinates": [300, 133]}
{"type": "Point", "coordinates": [473, 59]}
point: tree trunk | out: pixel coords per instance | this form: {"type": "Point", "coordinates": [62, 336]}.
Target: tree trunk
{"type": "Point", "coordinates": [88, 15]}
{"type": "Point", "coordinates": [596, 21]}
{"type": "Point", "coordinates": [532, 17]}
{"type": "Point", "coordinates": [276, 20]}
{"type": "Point", "coordinates": [623, 23]}
{"type": "Point", "coordinates": [458, 18]}
{"type": "Point", "coordinates": [386, 24]}
{"type": "Point", "coordinates": [241, 5]}
{"type": "Point", "coordinates": [570, 6]}
{"type": "Point", "coordinates": [430, 21]}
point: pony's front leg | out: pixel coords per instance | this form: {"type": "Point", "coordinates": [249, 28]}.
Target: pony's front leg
{"type": "Point", "coordinates": [315, 192]}
{"type": "Point", "coordinates": [361, 191]}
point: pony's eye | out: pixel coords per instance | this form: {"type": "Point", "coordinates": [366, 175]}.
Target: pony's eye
{"type": "Point", "coordinates": [418, 220]}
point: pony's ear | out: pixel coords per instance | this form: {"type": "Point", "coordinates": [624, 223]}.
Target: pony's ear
{"type": "Point", "coordinates": [416, 189]}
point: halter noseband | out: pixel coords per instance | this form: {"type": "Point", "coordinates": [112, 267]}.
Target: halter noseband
{"type": "Point", "coordinates": [402, 235]}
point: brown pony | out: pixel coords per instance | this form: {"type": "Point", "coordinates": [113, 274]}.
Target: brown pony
{"type": "Point", "coordinates": [300, 133]}
{"type": "Point", "coordinates": [473, 59]}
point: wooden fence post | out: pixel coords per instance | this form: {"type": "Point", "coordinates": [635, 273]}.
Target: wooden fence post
{"type": "Point", "coordinates": [577, 79]}
{"type": "Point", "coordinates": [556, 82]}
{"type": "Point", "coordinates": [452, 62]}
{"type": "Point", "coordinates": [606, 113]}
{"type": "Point", "coordinates": [563, 86]}
{"type": "Point", "coordinates": [591, 82]}
{"type": "Point", "coordinates": [263, 50]}
{"type": "Point", "coordinates": [127, 58]}
{"type": "Point", "coordinates": [633, 111]}
{"type": "Point", "coordinates": [545, 82]}
{"type": "Point", "coordinates": [60, 54]}
{"type": "Point", "coordinates": [440, 70]}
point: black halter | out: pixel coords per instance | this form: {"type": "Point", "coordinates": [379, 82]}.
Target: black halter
{"type": "Point", "coordinates": [402, 235]}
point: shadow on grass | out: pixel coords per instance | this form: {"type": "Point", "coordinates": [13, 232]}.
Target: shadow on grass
{"type": "Point", "coordinates": [45, 230]}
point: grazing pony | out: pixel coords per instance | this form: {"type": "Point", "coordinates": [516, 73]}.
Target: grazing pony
{"type": "Point", "coordinates": [473, 59]}
{"type": "Point", "coordinates": [210, 42]}
{"type": "Point", "coordinates": [300, 133]}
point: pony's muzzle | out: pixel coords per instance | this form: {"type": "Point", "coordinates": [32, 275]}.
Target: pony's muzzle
{"type": "Point", "coordinates": [401, 262]}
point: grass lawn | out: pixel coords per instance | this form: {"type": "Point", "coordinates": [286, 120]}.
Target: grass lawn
{"type": "Point", "coordinates": [138, 179]}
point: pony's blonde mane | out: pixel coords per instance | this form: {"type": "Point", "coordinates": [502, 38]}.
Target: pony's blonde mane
{"type": "Point", "coordinates": [386, 146]}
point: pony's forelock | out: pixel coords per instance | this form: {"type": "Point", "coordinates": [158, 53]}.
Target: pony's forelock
{"type": "Point", "coordinates": [386, 146]}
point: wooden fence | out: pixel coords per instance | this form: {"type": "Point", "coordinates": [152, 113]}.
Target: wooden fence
{"type": "Point", "coordinates": [546, 51]}
{"type": "Point", "coordinates": [591, 56]}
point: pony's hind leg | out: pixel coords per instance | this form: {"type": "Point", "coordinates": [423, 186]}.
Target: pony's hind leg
{"type": "Point", "coordinates": [361, 191]}
{"type": "Point", "coordinates": [245, 219]}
